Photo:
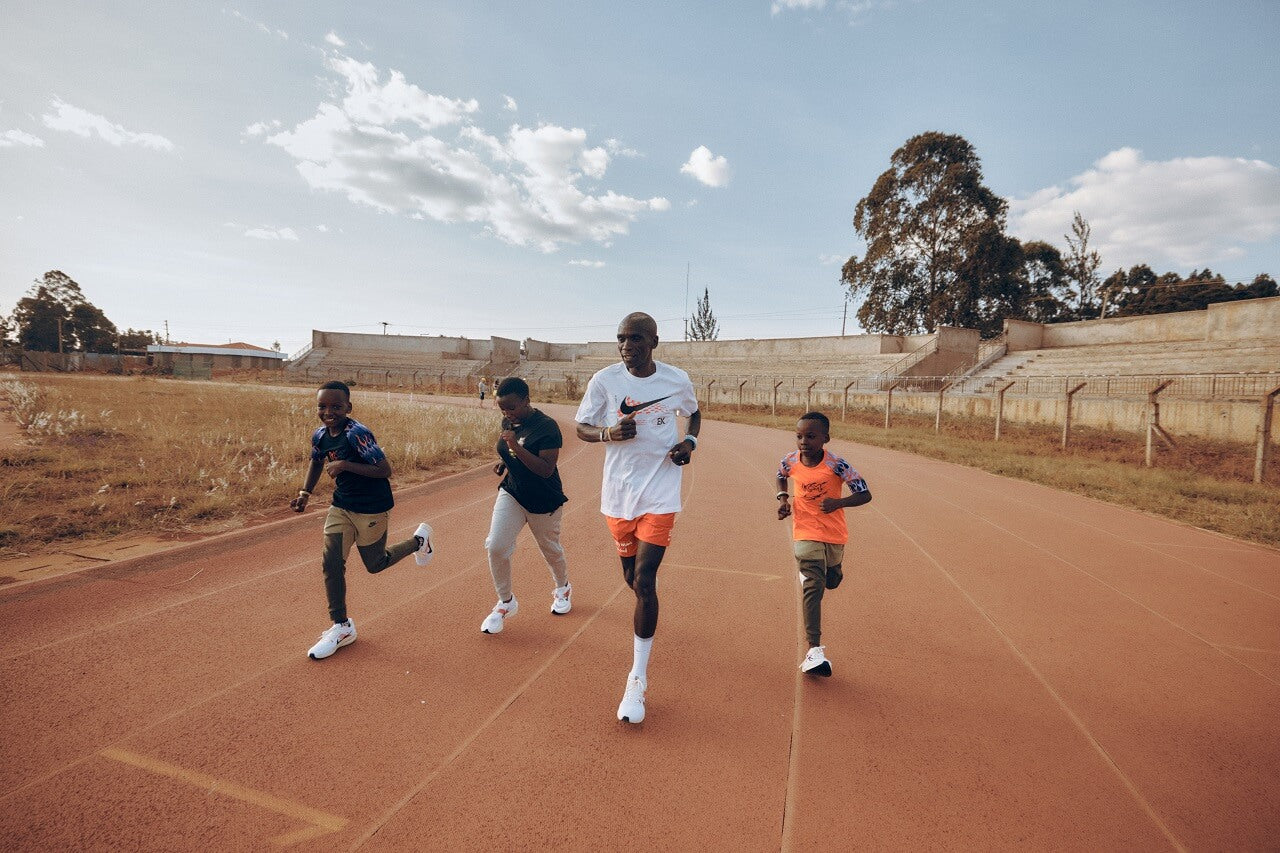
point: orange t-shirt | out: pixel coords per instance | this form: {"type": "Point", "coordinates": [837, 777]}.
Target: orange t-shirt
{"type": "Point", "coordinates": [823, 480]}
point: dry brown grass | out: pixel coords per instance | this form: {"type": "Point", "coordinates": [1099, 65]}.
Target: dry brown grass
{"type": "Point", "coordinates": [104, 456]}
{"type": "Point", "coordinates": [1205, 483]}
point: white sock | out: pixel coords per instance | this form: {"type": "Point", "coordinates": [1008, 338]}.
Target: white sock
{"type": "Point", "coordinates": [640, 659]}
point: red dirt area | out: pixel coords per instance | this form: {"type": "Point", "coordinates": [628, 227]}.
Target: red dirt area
{"type": "Point", "coordinates": [1014, 668]}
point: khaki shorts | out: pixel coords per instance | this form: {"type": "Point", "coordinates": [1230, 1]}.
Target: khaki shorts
{"type": "Point", "coordinates": [825, 553]}
{"type": "Point", "coordinates": [356, 527]}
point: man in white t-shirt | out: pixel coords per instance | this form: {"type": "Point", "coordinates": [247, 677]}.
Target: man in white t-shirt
{"type": "Point", "coordinates": [633, 406]}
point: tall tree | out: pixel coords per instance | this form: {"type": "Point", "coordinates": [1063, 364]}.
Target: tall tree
{"type": "Point", "coordinates": [56, 316]}
{"type": "Point", "coordinates": [1082, 268]}
{"type": "Point", "coordinates": [137, 339]}
{"type": "Point", "coordinates": [922, 221]}
{"type": "Point", "coordinates": [703, 326]}
{"type": "Point", "coordinates": [1046, 282]}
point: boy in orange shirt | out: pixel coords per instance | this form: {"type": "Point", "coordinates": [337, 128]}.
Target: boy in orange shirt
{"type": "Point", "coordinates": [819, 530]}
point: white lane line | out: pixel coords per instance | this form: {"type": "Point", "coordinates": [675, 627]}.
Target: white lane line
{"type": "Point", "coordinates": [444, 765]}
{"type": "Point", "coordinates": [1048, 688]}
{"type": "Point", "coordinates": [1101, 582]}
{"type": "Point", "coordinates": [1153, 548]}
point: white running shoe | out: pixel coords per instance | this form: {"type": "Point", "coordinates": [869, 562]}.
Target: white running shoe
{"type": "Point", "coordinates": [816, 663]}
{"type": "Point", "coordinates": [631, 709]}
{"type": "Point", "coordinates": [335, 638]}
{"type": "Point", "coordinates": [560, 603]}
{"type": "Point", "coordinates": [501, 611]}
{"type": "Point", "coordinates": [425, 551]}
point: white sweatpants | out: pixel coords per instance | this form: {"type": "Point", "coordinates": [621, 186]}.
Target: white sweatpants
{"type": "Point", "coordinates": [508, 518]}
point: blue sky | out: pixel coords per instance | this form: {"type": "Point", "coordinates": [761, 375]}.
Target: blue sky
{"type": "Point", "coordinates": [253, 170]}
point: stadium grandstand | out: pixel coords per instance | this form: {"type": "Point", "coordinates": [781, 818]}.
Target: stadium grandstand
{"type": "Point", "coordinates": [1210, 367]}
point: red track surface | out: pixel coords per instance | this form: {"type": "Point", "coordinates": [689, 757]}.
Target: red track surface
{"type": "Point", "coordinates": [1014, 668]}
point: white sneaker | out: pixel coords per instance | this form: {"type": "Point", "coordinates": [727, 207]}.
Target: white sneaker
{"type": "Point", "coordinates": [560, 603]}
{"type": "Point", "coordinates": [493, 622]}
{"type": "Point", "coordinates": [631, 709]}
{"type": "Point", "coordinates": [425, 552]}
{"type": "Point", "coordinates": [335, 638]}
{"type": "Point", "coordinates": [816, 663]}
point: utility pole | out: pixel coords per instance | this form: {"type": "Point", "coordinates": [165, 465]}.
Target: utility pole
{"type": "Point", "coordinates": [59, 336]}
{"type": "Point", "coordinates": [687, 266]}
{"type": "Point", "coordinates": [384, 326]}
{"type": "Point", "coordinates": [166, 332]}
{"type": "Point", "coordinates": [844, 315]}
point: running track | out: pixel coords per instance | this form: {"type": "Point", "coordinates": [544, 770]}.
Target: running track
{"type": "Point", "coordinates": [1015, 667]}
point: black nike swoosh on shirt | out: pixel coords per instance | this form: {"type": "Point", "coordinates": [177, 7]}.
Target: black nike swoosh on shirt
{"type": "Point", "coordinates": [628, 409]}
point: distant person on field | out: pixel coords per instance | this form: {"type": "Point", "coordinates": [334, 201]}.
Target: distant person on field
{"type": "Point", "coordinates": [530, 493]}
{"type": "Point", "coordinates": [818, 524]}
{"type": "Point", "coordinates": [632, 406]}
{"type": "Point", "coordinates": [346, 450]}
{"type": "Point", "coordinates": [484, 386]}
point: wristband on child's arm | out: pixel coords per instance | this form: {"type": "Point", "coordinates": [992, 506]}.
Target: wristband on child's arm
{"type": "Point", "coordinates": [782, 495]}
{"type": "Point", "coordinates": [303, 493]}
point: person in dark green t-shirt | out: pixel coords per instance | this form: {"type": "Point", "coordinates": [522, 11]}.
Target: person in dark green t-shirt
{"type": "Point", "coordinates": [530, 493]}
{"type": "Point", "coordinates": [346, 450]}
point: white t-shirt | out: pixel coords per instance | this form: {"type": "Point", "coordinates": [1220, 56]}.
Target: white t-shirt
{"type": "Point", "coordinates": [639, 477]}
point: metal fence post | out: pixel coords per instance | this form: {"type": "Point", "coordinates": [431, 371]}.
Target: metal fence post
{"type": "Point", "coordinates": [709, 384]}
{"type": "Point", "coordinates": [1066, 422]}
{"type": "Point", "coordinates": [888, 403]}
{"type": "Point", "coordinates": [1264, 436]}
{"type": "Point", "coordinates": [937, 420]}
{"type": "Point", "coordinates": [808, 396]}
{"type": "Point", "coordinates": [775, 396]}
{"type": "Point", "coordinates": [844, 403]}
{"type": "Point", "coordinates": [1153, 422]}
{"type": "Point", "coordinates": [1000, 408]}
{"type": "Point", "coordinates": [740, 384]}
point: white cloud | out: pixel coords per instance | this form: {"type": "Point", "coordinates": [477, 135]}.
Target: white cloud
{"type": "Point", "coordinates": [272, 234]}
{"type": "Point", "coordinates": [592, 264]}
{"type": "Point", "coordinates": [1188, 211]}
{"type": "Point", "coordinates": [262, 128]}
{"type": "Point", "coordinates": [12, 138]}
{"type": "Point", "coordinates": [386, 143]}
{"type": "Point", "coordinates": [509, 103]}
{"type": "Point", "coordinates": [706, 167]}
{"type": "Point", "coordinates": [790, 5]}
{"type": "Point", "coordinates": [323, 229]}
{"type": "Point", "coordinates": [617, 149]}
{"type": "Point", "coordinates": [278, 33]}
{"type": "Point", "coordinates": [84, 123]}
{"type": "Point", "coordinates": [832, 260]}
{"type": "Point", "coordinates": [332, 38]}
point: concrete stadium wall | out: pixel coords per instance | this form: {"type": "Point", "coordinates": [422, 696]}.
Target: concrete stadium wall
{"type": "Point", "coordinates": [1251, 318]}
{"type": "Point", "coordinates": [1222, 321]}
{"type": "Point", "coordinates": [504, 349]}
{"type": "Point", "coordinates": [543, 351]}
{"type": "Point", "coordinates": [460, 347]}
{"type": "Point", "coordinates": [766, 350]}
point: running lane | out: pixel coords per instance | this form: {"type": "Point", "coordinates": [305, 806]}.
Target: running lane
{"type": "Point", "coordinates": [1014, 667]}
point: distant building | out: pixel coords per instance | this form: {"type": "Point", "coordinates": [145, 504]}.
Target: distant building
{"type": "Point", "coordinates": [199, 360]}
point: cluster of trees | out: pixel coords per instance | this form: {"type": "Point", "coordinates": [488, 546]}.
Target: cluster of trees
{"type": "Point", "coordinates": [55, 316]}
{"type": "Point", "coordinates": [937, 255]}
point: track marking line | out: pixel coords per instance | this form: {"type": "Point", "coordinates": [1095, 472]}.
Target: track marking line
{"type": "Point", "coordinates": [469, 569]}
{"type": "Point", "coordinates": [1249, 649]}
{"type": "Point", "coordinates": [1048, 688]}
{"type": "Point", "coordinates": [319, 823]}
{"type": "Point", "coordinates": [193, 598]}
{"type": "Point", "coordinates": [1154, 548]}
{"type": "Point", "coordinates": [1168, 621]}
{"type": "Point", "coordinates": [490, 720]}
{"type": "Point", "coordinates": [759, 575]}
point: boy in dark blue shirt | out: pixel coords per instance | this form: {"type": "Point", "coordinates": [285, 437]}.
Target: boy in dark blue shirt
{"type": "Point", "coordinates": [346, 450]}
